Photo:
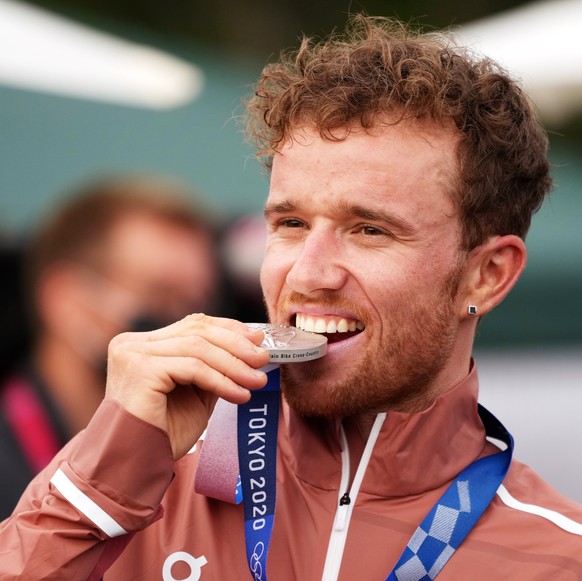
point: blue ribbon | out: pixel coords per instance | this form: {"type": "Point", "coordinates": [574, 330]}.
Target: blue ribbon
{"type": "Point", "coordinates": [435, 540]}
{"type": "Point", "coordinates": [257, 426]}
{"type": "Point", "coordinates": [456, 512]}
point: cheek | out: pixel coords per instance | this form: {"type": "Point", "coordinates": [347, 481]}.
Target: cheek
{"type": "Point", "coordinates": [270, 280]}
{"type": "Point", "coordinates": [264, 279]}
{"type": "Point", "coordinates": [273, 276]}
{"type": "Point", "coordinates": [393, 287]}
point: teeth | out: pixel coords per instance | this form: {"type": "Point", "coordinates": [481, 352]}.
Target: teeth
{"type": "Point", "coordinates": [327, 325]}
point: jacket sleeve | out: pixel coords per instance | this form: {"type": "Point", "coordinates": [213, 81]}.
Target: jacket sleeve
{"type": "Point", "coordinates": [79, 513]}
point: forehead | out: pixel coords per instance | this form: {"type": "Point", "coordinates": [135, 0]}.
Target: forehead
{"type": "Point", "coordinates": [408, 164]}
{"type": "Point", "coordinates": [148, 247]}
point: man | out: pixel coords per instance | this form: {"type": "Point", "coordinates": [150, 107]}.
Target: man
{"type": "Point", "coordinates": [121, 254]}
{"type": "Point", "coordinates": [404, 175]}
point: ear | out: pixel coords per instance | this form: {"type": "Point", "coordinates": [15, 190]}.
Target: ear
{"type": "Point", "coordinates": [493, 268]}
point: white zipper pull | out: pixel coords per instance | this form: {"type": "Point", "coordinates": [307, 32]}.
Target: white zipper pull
{"type": "Point", "coordinates": [342, 512]}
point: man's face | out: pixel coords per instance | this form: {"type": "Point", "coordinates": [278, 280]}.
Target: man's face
{"type": "Point", "coordinates": [363, 237]}
{"type": "Point", "coordinates": [154, 273]}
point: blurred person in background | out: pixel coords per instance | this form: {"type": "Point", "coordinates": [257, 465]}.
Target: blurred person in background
{"type": "Point", "coordinates": [125, 253]}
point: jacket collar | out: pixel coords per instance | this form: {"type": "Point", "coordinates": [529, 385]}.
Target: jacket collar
{"type": "Point", "coordinates": [414, 453]}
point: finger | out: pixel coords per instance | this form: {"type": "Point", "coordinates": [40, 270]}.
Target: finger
{"type": "Point", "coordinates": [217, 328]}
{"type": "Point", "coordinates": [199, 323]}
{"type": "Point", "coordinates": [158, 365]}
{"type": "Point", "coordinates": [212, 343]}
{"type": "Point", "coordinates": [187, 371]}
{"type": "Point", "coordinates": [211, 358]}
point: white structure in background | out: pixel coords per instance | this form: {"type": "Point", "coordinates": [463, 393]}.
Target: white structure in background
{"type": "Point", "coordinates": [537, 395]}
{"type": "Point", "coordinates": [40, 51]}
{"type": "Point", "coordinates": [541, 44]}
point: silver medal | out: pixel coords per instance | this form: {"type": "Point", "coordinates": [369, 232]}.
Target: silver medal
{"type": "Point", "coordinates": [290, 344]}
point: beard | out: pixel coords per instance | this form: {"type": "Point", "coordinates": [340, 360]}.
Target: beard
{"type": "Point", "coordinates": [398, 373]}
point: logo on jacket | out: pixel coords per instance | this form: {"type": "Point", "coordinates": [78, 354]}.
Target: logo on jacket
{"type": "Point", "coordinates": [195, 565]}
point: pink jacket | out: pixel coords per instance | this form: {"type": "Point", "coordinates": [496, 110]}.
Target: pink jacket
{"type": "Point", "coordinates": [117, 508]}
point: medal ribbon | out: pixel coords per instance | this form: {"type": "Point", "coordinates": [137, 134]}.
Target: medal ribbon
{"type": "Point", "coordinates": [257, 425]}
{"type": "Point", "coordinates": [456, 512]}
{"type": "Point", "coordinates": [435, 540]}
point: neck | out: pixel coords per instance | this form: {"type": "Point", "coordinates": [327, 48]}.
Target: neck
{"type": "Point", "coordinates": [364, 422]}
{"type": "Point", "coordinates": [74, 386]}
{"type": "Point", "coordinates": [447, 380]}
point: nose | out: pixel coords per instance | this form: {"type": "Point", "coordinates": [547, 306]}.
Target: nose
{"type": "Point", "coordinates": [317, 266]}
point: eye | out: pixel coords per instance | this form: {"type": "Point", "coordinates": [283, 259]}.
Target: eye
{"type": "Point", "coordinates": [287, 227]}
{"type": "Point", "coordinates": [370, 230]}
{"type": "Point", "coordinates": [290, 223]}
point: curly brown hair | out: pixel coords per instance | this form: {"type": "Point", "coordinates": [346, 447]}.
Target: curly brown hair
{"type": "Point", "coordinates": [383, 71]}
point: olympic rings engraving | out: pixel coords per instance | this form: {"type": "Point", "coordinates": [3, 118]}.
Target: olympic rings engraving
{"type": "Point", "coordinates": [255, 564]}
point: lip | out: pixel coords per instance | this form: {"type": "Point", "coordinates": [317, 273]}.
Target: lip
{"type": "Point", "coordinates": [348, 343]}
{"type": "Point", "coordinates": [342, 341]}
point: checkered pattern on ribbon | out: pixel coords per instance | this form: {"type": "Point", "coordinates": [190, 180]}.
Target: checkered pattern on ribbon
{"type": "Point", "coordinates": [456, 512]}
{"type": "Point", "coordinates": [435, 541]}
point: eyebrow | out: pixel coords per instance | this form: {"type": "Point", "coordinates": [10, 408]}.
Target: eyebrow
{"type": "Point", "coordinates": [348, 210]}
{"type": "Point", "coordinates": [377, 216]}
{"type": "Point", "coordinates": [279, 208]}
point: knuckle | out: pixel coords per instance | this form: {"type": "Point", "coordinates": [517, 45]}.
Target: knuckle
{"type": "Point", "coordinates": [122, 346]}
{"type": "Point", "coordinates": [234, 361]}
{"type": "Point", "coordinates": [198, 342]}
{"type": "Point", "coordinates": [195, 318]}
{"type": "Point", "coordinates": [196, 365]}
{"type": "Point", "coordinates": [118, 343]}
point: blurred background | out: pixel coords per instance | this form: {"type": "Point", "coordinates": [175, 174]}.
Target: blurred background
{"type": "Point", "coordinates": [91, 88]}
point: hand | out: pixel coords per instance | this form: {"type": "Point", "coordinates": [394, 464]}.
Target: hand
{"type": "Point", "coordinates": [172, 377]}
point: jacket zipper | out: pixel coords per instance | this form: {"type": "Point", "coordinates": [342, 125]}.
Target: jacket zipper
{"type": "Point", "coordinates": [346, 500]}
